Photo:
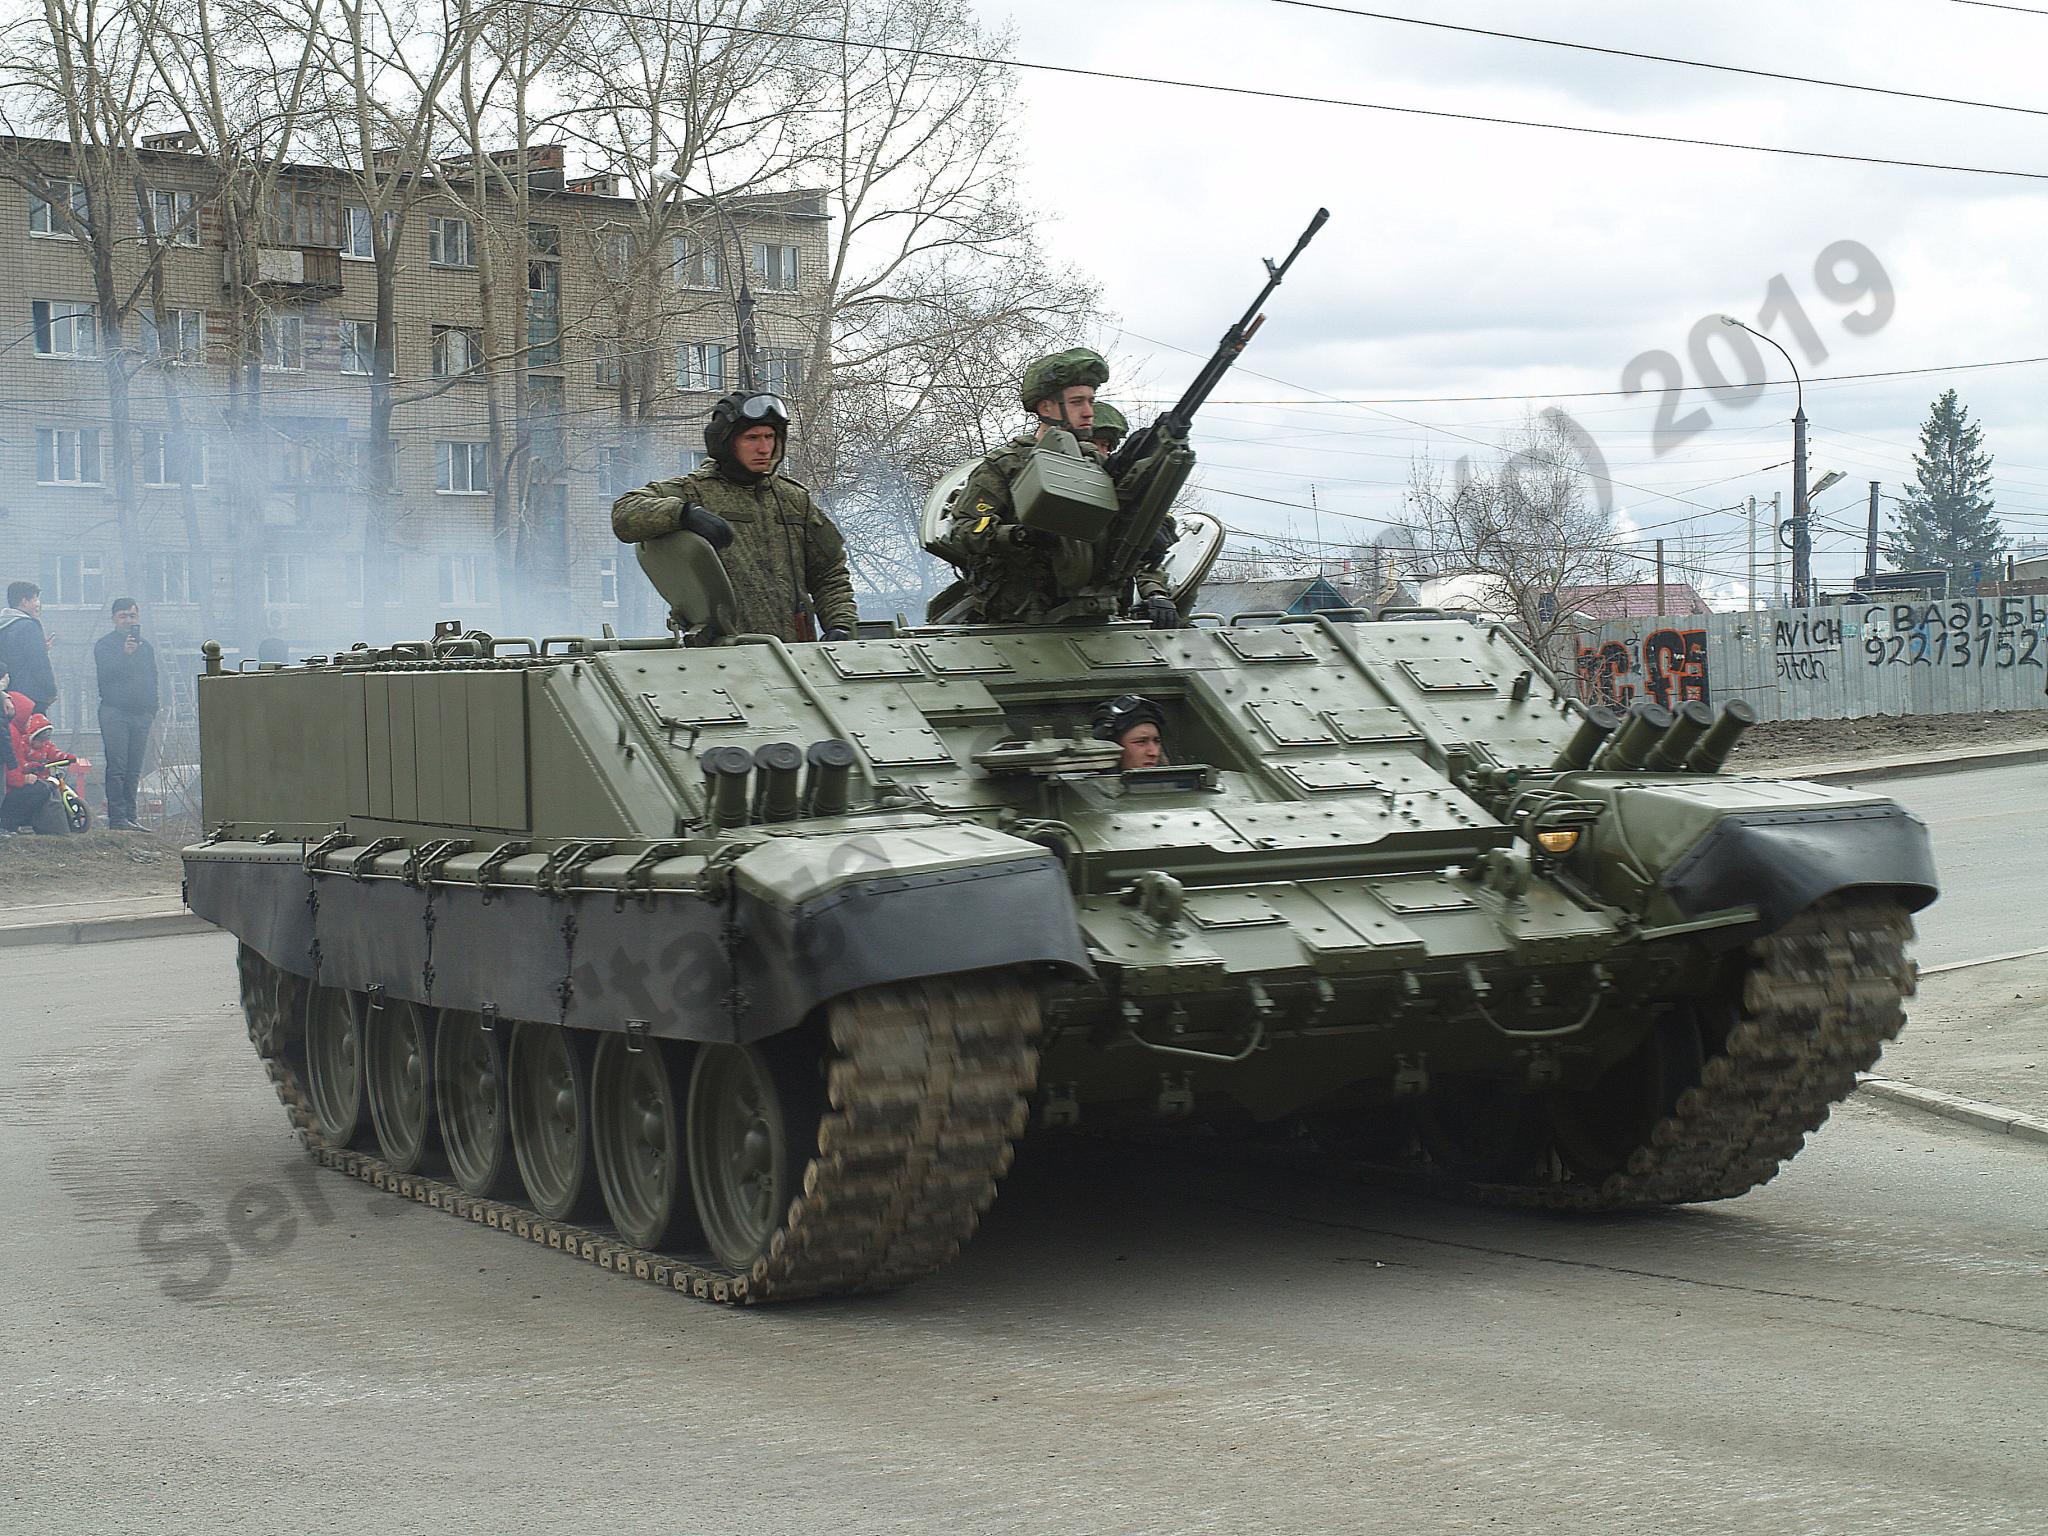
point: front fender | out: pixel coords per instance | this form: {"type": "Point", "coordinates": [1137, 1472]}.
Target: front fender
{"type": "Point", "coordinates": [1669, 849]}
{"type": "Point", "coordinates": [1782, 862]}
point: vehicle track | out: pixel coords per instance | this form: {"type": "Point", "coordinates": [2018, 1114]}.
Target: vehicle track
{"type": "Point", "coordinates": [926, 1088]}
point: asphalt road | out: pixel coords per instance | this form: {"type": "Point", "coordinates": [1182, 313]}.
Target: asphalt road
{"type": "Point", "coordinates": [1990, 828]}
{"type": "Point", "coordinates": [1131, 1345]}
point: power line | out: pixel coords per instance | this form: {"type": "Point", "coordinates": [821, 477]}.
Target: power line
{"type": "Point", "coordinates": [1591, 394]}
{"type": "Point", "coordinates": [1994, 5]}
{"type": "Point", "coordinates": [1662, 58]}
{"type": "Point", "coordinates": [957, 56]}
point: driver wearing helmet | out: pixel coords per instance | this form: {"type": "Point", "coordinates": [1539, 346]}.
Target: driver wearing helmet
{"type": "Point", "coordinates": [785, 558]}
{"type": "Point", "coordinates": [1110, 427]}
{"type": "Point", "coordinates": [1135, 724]}
{"type": "Point", "coordinates": [1016, 573]}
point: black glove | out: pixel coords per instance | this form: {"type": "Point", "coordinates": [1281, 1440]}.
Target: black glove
{"type": "Point", "coordinates": [1160, 610]}
{"type": "Point", "coordinates": [1032, 538]}
{"type": "Point", "coordinates": [708, 526]}
{"type": "Point", "coordinates": [838, 632]}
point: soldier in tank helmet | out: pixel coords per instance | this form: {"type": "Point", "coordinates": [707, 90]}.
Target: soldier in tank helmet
{"type": "Point", "coordinates": [784, 556]}
{"type": "Point", "coordinates": [1018, 573]}
{"type": "Point", "coordinates": [1136, 725]}
{"type": "Point", "coordinates": [1110, 427]}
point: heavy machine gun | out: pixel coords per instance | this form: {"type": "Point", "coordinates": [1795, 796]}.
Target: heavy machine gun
{"type": "Point", "coordinates": [1152, 466]}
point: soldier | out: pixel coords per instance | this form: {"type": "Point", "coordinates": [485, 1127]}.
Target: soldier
{"type": "Point", "coordinates": [1136, 725]}
{"type": "Point", "coordinates": [1110, 427]}
{"type": "Point", "coordinates": [1017, 573]}
{"type": "Point", "coordinates": [785, 557]}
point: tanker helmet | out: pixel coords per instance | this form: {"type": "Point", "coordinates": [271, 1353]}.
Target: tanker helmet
{"type": "Point", "coordinates": [1109, 423]}
{"type": "Point", "coordinates": [739, 411]}
{"type": "Point", "coordinates": [1046, 378]}
{"type": "Point", "coordinates": [1116, 718]}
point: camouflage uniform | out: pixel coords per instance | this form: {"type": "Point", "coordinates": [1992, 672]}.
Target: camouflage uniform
{"type": "Point", "coordinates": [1013, 582]}
{"type": "Point", "coordinates": [783, 546]}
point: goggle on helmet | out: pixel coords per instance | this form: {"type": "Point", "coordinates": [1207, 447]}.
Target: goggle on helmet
{"type": "Point", "coordinates": [1117, 717]}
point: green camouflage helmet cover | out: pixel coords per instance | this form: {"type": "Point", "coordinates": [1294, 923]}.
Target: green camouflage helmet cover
{"type": "Point", "coordinates": [1048, 376]}
{"type": "Point", "coordinates": [1108, 419]}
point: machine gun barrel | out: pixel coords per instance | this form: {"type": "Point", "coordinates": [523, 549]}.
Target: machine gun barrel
{"type": "Point", "coordinates": [1239, 335]}
{"type": "Point", "coordinates": [1154, 463]}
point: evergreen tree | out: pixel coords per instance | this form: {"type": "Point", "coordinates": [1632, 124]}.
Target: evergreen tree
{"type": "Point", "coordinates": [1946, 522]}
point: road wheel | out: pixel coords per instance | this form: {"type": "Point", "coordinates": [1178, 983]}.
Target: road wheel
{"type": "Point", "coordinates": [550, 1104]}
{"type": "Point", "coordinates": [752, 1131]}
{"type": "Point", "coordinates": [334, 1065]}
{"type": "Point", "coordinates": [396, 1046]}
{"type": "Point", "coordinates": [637, 1091]}
{"type": "Point", "coordinates": [469, 1098]}
{"type": "Point", "coordinates": [1597, 1128]}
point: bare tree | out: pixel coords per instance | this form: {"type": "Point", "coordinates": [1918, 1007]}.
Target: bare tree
{"type": "Point", "coordinates": [1525, 526]}
{"type": "Point", "coordinates": [237, 87]}
{"type": "Point", "coordinates": [936, 289]}
{"type": "Point", "coordinates": [383, 66]}
{"type": "Point", "coordinates": [84, 78]}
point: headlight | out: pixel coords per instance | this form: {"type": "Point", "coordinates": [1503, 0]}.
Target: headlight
{"type": "Point", "coordinates": [1558, 842]}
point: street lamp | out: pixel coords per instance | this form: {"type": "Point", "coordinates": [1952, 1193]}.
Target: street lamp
{"type": "Point", "coordinates": [1802, 537]}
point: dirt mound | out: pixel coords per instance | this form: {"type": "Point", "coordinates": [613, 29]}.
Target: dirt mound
{"type": "Point", "coordinates": [1816, 741]}
{"type": "Point", "coordinates": [83, 865]}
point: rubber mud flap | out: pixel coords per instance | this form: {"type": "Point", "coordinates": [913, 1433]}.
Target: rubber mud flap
{"type": "Point", "coordinates": [1782, 862]}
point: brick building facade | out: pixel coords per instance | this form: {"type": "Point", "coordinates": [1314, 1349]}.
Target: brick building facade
{"type": "Point", "coordinates": [291, 550]}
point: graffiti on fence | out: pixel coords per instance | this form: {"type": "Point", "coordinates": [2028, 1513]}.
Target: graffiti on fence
{"type": "Point", "coordinates": [1668, 665]}
{"type": "Point", "coordinates": [1803, 644]}
{"type": "Point", "coordinates": [1988, 636]}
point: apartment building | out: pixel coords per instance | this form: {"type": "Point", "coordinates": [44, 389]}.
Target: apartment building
{"type": "Point", "coordinates": [285, 562]}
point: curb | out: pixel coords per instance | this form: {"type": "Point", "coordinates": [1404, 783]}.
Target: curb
{"type": "Point", "coordinates": [1906, 768]}
{"type": "Point", "coordinates": [1950, 1106]}
{"type": "Point", "coordinates": [103, 930]}
{"type": "Point", "coordinates": [1966, 965]}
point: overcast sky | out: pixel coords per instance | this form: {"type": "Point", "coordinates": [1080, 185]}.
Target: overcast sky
{"type": "Point", "coordinates": [1470, 259]}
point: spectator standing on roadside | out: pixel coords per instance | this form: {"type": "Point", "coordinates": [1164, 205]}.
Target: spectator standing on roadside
{"type": "Point", "coordinates": [24, 648]}
{"type": "Point", "coordinates": [129, 697]}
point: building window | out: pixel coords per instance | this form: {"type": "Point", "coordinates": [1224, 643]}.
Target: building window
{"type": "Point", "coordinates": [183, 329]}
{"type": "Point", "coordinates": [543, 313]}
{"type": "Point", "coordinates": [173, 217]}
{"type": "Point", "coordinates": [358, 346]}
{"type": "Point", "coordinates": [693, 264]}
{"type": "Point", "coordinates": [614, 254]}
{"type": "Point", "coordinates": [352, 580]}
{"type": "Point", "coordinates": [773, 266]}
{"type": "Point", "coordinates": [169, 579]}
{"type": "Point", "coordinates": [282, 339]}
{"type": "Point", "coordinates": [700, 365]}
{"type": "Point", "coordinates": [73, 581]}
{"type": "Point", "coordinates": [462, 469]}
{"type": "Point", "coordinates": [284, 579]}
{"type": "Point", "coordinates": [782, 371]}
{"type": "Point", "coordinates": [43, 219]}
{"type": "Point", "coordinates": [458, 351]}
{"type": "Point", "coordinates": [465, 579]}
{"type": "Point", "coordinates": [544, 240]}
{"type": "Point", "coordinates": [605, 370]}
{"type": "Point", "coordinates": [449, 243]}
{"type": "Point", "coordinates": [614, 467]}
{"type": "Point", "coordinates": [167, 459]}
{"type": "Point", "coordinates": [68, 455]}
{"type": "Point", "coordinates": [65, 330]}
{"type": "Point", "coordinates": [355, 233]}
{"type": "Point", "coordinates": [608, 582]}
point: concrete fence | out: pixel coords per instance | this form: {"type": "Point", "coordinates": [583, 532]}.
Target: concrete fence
{"type": "Point", "coordinates": [1963, 656]}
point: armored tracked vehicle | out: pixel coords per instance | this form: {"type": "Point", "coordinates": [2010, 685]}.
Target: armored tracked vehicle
{"type": "Point", "coordinates": [739, 966]}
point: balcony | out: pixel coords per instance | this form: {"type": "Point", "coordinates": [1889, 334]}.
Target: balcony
{"type": "Point", "coordinates": [298, 272]}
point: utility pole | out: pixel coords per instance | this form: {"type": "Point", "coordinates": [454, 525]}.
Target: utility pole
{"type": "Point", "coordinates": [1752, 555]}
{"type": "Point", "coordinates": [1802, 533]}
{"type": "Point", "coordinates": [1870, 541]}
{"type": "Point", "coordinates": [1660, 578]}
{"type": "Point", "coordinates": [1777, 557]}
